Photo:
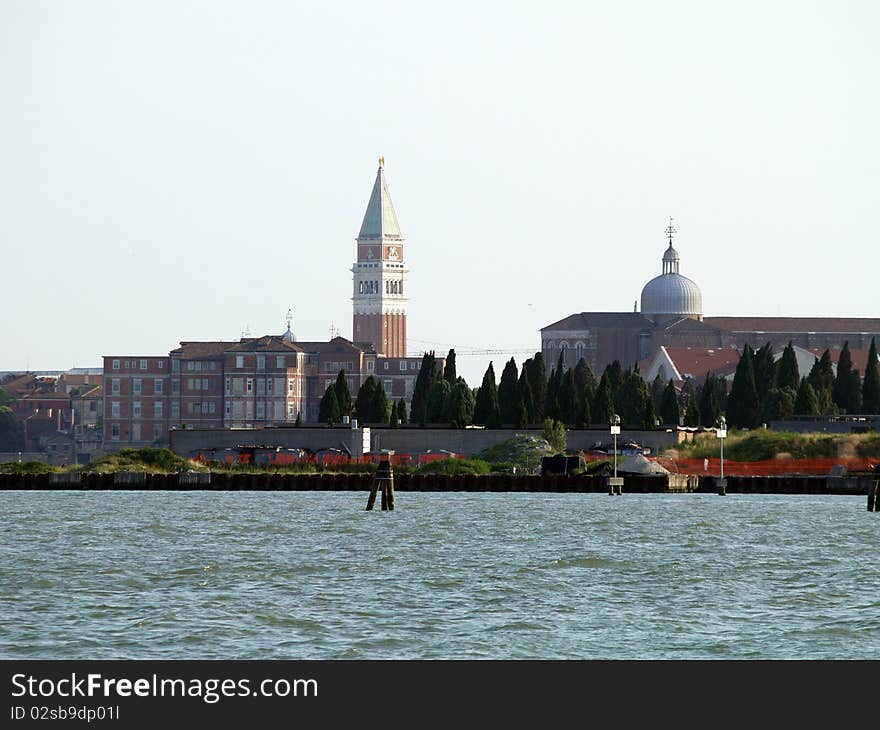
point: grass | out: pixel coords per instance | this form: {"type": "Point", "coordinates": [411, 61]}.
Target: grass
{"type": "Point", "coordinates": [455, 466]}
{"type": "Point", "coordinates": [765, 444]}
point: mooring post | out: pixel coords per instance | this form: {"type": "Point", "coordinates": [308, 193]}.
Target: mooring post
{"type": "Point", "coordinates": [873, 497]}
{"type": "Point", "coordinates": [384, 481]}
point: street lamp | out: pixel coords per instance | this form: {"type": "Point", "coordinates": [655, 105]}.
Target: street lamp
{"type": "Point", "coordinates": [615, 483]}
{"type": "Point", "coordinates": [721, 433]}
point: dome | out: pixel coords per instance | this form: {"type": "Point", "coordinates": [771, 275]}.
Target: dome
{"type": "Point", "coordinates": [672, 294]}
{"type": "Point", "coordinates": [671, 254]}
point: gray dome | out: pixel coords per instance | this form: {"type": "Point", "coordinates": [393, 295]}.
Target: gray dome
{"type": "Point", "coordinates": [672, 294]}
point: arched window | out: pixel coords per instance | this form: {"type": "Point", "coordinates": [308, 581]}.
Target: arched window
{"type": "Point", "coordinates": [563, 349]}
{"type": "Point", "coordinates": [578, 351]}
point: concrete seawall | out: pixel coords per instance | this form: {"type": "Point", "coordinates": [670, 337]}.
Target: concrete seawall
{"type": "Point", "coordinates": [231, 481]}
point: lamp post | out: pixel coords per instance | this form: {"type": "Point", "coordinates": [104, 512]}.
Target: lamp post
{"type": "Point", "coordinates": [721, 433]}
{"type": "Point", "coordinates": [615, 483]}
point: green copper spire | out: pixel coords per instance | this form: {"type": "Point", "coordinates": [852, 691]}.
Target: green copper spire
{"type": "Point", "coordinates": [380, 220]}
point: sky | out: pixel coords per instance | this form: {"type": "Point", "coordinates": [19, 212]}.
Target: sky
{"type": "Point", "coordinates": [192, 170]}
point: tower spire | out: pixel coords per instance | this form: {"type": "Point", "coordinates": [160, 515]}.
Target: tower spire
{"type": "Point", "coordinates": [670, 230]}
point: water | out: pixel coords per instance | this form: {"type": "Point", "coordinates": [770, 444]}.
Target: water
{"type": "Point", "coordinates": [197, 575]}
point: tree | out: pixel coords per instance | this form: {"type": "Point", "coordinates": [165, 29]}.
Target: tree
{"type": "Point", "coordinates": [787, 375]}
{"type": "Point", "coordinates": [669, 413]}
{"type": "Point", "coordinates": [692, 412]}
{"type": "Point", "coordinates": [586, 414]}
{"type": "Point", "coordinates": [328, 410]}
{"type": "Point", "coordinates": [11, 431]}
{"type": "Point", "coordinates": [551, 401]}
{"type": "Point", "coordinates": [486, 411]}
{"type": "Point", "coordinates": [615, 377]}
{"type": "Point", "coordinates": [569, 410]}
{"type": "Point", "coordinates": [449, 374]}
{"type": "Point", "coordinates": [843, 381]}
{"type": "Point", "coordinates": [742, 404]}
{"type": "Point", "coordinates": [5, 398]}
{"type": "Point", "coordinates": [708, 400]}
{"type": "Point", "coordinates": [821, 378]}
{"type": "Point", "coordinates": [554, 433]}
{"type": "Point", "coordinates": [418, 408]}
{"type": "Point", "coordinates": [871, 383]}
{"type": "Point", "coordinates": [343, 396]}
{"type": "Point", "coordinates": [779, 404]}
{"type": "Point", "coordinates": [438, 402]}
{"type": "Point", "coordinates": [524, 397]}
{"type": "Point", "coordinates": [538, 382]}
{"type": "Point", "coordinates": [461, 405]}
{"type": "Point", "coordinates": [631, 400]}
{"type": "Point", "coordinates": [364, 402]}
{"type": "Point", "coordinates": [379, 405]}
{"type": "Point", "coordinates": [508, 393]}
{"type": "Point", "coordinates": [658, 388]}
{"type": "Point", "coordinates": [584, 380]}
{"type": "Point", "coordinates": [298, 422]}
{"type": "Point", "coordinates": [765, 372]}
{"type": "Point", "coordinates": [401, 411]}
{"type": "Point", "coordinates": [603, 404]}
{"type": "Point", "coordinates": [806, 403]}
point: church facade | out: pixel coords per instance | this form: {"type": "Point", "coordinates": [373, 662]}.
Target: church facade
{"type": "Point", "coordinates": [671, 316]}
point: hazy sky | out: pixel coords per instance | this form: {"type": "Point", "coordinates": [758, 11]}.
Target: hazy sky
{"type": "Point", "coordinates": [187, 170]}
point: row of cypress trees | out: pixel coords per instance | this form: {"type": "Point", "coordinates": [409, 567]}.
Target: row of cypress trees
{"type": "Point", "coordinates": [763, 389]}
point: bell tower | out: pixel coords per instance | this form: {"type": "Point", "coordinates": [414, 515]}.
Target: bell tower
{"type": "Point", "coordinates": [380, 285]}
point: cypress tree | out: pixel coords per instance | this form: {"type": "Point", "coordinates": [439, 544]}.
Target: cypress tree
{"type": "Point", "coordinates": [401, 411]}
{"type": "Point", "coordinates": [787, 375]}
{"type": "Point", "coordinates": [780, 404]}
{"type": "Point", "coordinates": [524, 395]}
{"type": "Point", "coordinates": [438, 402]}
{"type": "Point", "coordinates": [298, 422]}
{"type": "Point", "coordinates": [709, 410]}
{"type": "Point", "coordinates": [538, 381]}
{"type": "Point", "coordinates": [854, 391]}
{"type": "Point", "coordinates": [449, 374]}
{"type": "Point", "coordinates": [658, 388]}
{"type": "Point", "coordinates": [328, 410]}
{"type": "Point", "coordinates": [461, 405]}
{"type": "Point", "coordinates": [486, 412]}
{"type": "Point", "coordinates": [629, 402]}
{"type": "Point", "coordinates": [568, 399]}
{"type": "Point", "coordinates": [343, 395]}
{"type": "Point", "coordinates": [584, 380]}
{"type": "Point", "coordinates": [650, 414]}
{"type": "Point", "coordinates": [822, 380]}
{"type": "Point", "coordinates": [806, 403]}
{"type": "Point", "coordinates": [871, 383]}
{"type": "Point", "coordinates": [508, 395]}
{"type": "Point", "coordinates": [765, 373]}
{"type": "Point", "coordinates": [418, 409]}
{"type": "Point", "coordinates": [379, 405]}
{"type": "Point", "coordinates": [669, 413]}
{"type": "Point", "coordinates": [364, 402]}
{"type": "Point", "coordinates": [615, 377]}
{"type": "Point", "coordinates": [742, 404]}
{"type": "Point", "coordinates": [551, 401]}
{"type": "Point", "coordinates": [522, 418]}
{"type": "Point", "coordinates": [603, 404]}
{"type": "Point", "coordinates": [842, 380]}
{"type": "Point", "coordinates": [692, 413]}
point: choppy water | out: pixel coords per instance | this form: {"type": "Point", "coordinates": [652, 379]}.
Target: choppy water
{"type": "Point", "coordinates": [111, 575]}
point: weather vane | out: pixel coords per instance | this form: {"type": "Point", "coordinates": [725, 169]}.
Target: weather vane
{"type": "Point", "coordinates": [670, 230]}
{"type": "Point", "coordinates": [382, 161]}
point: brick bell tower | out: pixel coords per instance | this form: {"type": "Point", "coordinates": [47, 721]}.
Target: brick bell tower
{"type": "Point", "coordinates": [380, 285]}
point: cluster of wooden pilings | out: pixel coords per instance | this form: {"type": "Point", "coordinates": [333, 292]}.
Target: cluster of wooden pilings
{"type": "Point", "coordinates": [383, 481]}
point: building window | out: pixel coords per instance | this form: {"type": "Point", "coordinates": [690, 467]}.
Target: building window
{"type": "Point", "coordinates": [190, 365]}
{"type": "Point", "coordinates": [175, 387]}
{"type": "Point", "coordinates": [204, 409]}
{"type": "Point", "coordinates": [161, 364]}
{"type": "Point", "coordinates": [239, 361]}
{"type": "Point", "coordinates": [228, 386]}
{"type": "Point", "coordinates": [114, 386]}
{"type": "Point", "coordinates": [143, 364]}
{"type": "Point", "coordinates": [261, 362]}
{"type": "Point", "coordinates": [114, 432]}
{"type": "Point", "coordinates": [370, 365]}
{"type": "Point", "coordinates": [261, 411]}
{"type": "Point", "coordinates": [403, 364]}
{"type": "Point", "coordinates": [157, 410]}
{"type": "Point", "coordinates": [212, 407]}
{"type": "Point", "coordinates": [290, 386]}
{"type": "Point", "coordinates": [279, 361]}
{"type": "Point", "coordinates": [175, 366]}
{"type": "Point", "coordinates": [175, 410]}
{"type": "Point", "coordinates": [125, 364]}
{"type": "Point", "coordinates": [291, 411]}
{"type": "Point", "coordinates": [204, 384]}
{"type": "Point", "coordinates": [116, 364]}
{"type": "Point", "coordinates": [385, 365]}
{"type": "Point", "coordinates": [136, 385]}
{"type": "Point", "coordinates": [136, 409]}
{"type": "Point", "coordinates": [228, 409]}
{"type": "Point", "coordinates": [190, 384]}
{"type": "Point", "coordinates": [387, 384]}
{"type": "Point", "coordinates": [261, 386]}
{"type": "Point", "coordinates": [157, 433]}
{"type": "Point", "coordinates": [269, 386]}
{"type": "Point", "coordinates": [158, 387]}
{"type": "Point", "coordinates": [250, 385]}
{"type": "Point", "coordinates": [114, 409]}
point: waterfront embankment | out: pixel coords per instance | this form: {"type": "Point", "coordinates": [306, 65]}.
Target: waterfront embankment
{"type": "Point", "coordinates": [334, 482]}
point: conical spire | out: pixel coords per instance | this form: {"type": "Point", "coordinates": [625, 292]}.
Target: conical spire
{"type": "Point", "coordinates": [380, 220]}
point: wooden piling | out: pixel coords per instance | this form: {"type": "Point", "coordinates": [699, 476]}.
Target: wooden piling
{"type": "Point", "coordinates": [873, 501]}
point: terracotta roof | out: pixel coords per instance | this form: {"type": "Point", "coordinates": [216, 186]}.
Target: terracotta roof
{"type": "Point", "coordinates": [267, 343]}
{"type": "Point", "coordinates": [196, 350]}
{"type": "Point", "coordinates": [337, 344]}
{"type": "Point", "coordinates": [588, 320]}
{"type": "Point", "coordinates": [795, 324]}
{"type": "Point", "coordinates": [698, 362]}
{"type": "Point", "coordinates": [687, 324]}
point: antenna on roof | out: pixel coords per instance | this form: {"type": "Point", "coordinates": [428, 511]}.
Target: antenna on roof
{"type": "Point", "coordinates": [289, 318]}
{"type": "Point", "coordinates": [333, 330]}
{"type": "Point", "coordinates": [670, 230]}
